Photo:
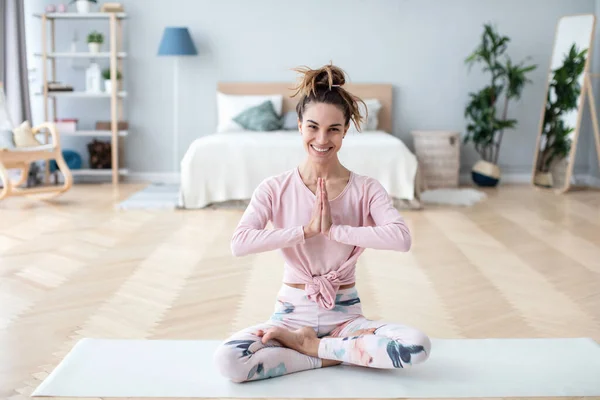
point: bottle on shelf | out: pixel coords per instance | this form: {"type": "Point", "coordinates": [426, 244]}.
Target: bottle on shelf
{"type": "Point", "coordinates": [93, 76]}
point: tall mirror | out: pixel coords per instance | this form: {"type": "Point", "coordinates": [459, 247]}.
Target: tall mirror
{"type": "Point", "coordinates": [561, 117]}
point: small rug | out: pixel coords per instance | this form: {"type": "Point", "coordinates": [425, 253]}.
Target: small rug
{"type": "Point", "coordinates": [455, 197]}
{"type": "Point", "coordinates": [456, 368]}
{"type": "Point", "coordinates": [153, 197]}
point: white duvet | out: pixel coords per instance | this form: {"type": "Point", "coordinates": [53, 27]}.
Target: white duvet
{"type": "Point", "coordinates": [229, 166]}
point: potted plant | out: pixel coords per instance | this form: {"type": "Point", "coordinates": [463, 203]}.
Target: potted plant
{"type": "Point", "coordinates": [484, 128]}
{"type": "Point", "coordinates": [84, 6]}
{"type": "Point", "coordinates": [555, 142]}
{"type": "Point", "coordinates": [95, 39]}
{"type": "Point", "coordinates": [107, 80]}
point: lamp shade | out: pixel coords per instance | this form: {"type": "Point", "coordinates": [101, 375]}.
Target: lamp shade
{"type": "Point", "coordinates": [176, 41]}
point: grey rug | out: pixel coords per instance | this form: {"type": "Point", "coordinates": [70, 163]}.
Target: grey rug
{"type": "Point", "coordinates": [456, 368]}
{"type": "Point", "coordinates": [453, 197]}
{"type": "Point", "coordinates": [153, 197]}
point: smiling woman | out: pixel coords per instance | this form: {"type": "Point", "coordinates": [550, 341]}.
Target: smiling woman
{"type": "Point", "coordinates": [325, 110]}
{"type": "Point", "coordinates": [324, 216]}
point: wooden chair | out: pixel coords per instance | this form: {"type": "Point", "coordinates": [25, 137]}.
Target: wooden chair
{"type": "Point", "coordinates": [21, 157]}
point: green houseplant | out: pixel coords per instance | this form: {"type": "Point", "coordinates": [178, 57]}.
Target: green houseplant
{"type": "Point", "coordinates": [484, 127]}
{"type": "Point", "coordinates": [107, 79]}
{"type": "Point", "coordinates": [95, 39]}
{"type": "Point", "coordinates": [564, 90]}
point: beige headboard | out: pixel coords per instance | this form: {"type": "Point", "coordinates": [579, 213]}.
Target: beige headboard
{"type": "Point", "coordinates": [382, 92]}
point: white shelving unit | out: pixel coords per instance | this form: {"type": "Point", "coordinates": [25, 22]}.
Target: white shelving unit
{"type": "Point", "coordinates": [115, 56]}
{"type": "Point", "coordinates": [93, 133]}
{"type": "Point", "coordinates": [83, 94]}
{"type": "Point", "coordinates": [81, 55]}
{"type": "Point", "coordinates": [72, 15]}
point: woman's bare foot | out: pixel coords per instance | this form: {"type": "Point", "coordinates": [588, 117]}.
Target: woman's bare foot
{"type": "Point", "coordinates": [277, 335]}
{"type": "Point", "coordinates": [303, 340]}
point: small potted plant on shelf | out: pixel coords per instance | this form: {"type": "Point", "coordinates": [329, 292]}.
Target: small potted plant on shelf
{"type": "Point", "coordinates": [107, 80]}
{"type": "Point", "coordinates": [95, 39]}
{"type": "Point", "coordinates": [84, 6]}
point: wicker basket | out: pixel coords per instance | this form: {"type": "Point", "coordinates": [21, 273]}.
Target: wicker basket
{"type": "Point", "coordinates": [438, 154]}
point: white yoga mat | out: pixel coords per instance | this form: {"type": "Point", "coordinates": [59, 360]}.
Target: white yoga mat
{"type": "Point", "coordinates": [456, 368]}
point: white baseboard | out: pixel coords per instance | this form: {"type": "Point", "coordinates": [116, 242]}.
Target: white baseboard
{"type": "Point", "coordinates": [132, 177]}
{"type": "Point", "coordinates": [153, 177]}
{"type": "Point", "coordinates": [512, 178]}
{"type": "Point", "coordinates": [592, 181]}
{"type": "Point", "coordinates": [172, 177]}
{"type": "Point", "coordinates": [505, 178]}
{"type": "Point", "coordinates": [465, 178]}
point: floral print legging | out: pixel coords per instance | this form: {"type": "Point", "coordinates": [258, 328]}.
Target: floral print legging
{"type": "Point", "coordinates": [243, 357]}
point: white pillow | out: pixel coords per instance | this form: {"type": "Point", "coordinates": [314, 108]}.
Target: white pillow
{"type": "Point", "coordinates": [230, 105]}
{"type": "Point", "coordinates": [372, 122]}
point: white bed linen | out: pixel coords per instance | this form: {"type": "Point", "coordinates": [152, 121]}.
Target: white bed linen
{"type": "Point", "coordinates": [229, 166]}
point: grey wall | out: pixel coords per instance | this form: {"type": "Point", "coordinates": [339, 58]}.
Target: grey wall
{"type": "Point", "coordinates": [418, 46]}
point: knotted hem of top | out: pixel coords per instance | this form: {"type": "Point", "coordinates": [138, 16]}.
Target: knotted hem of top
{"type": "Point", "coordinates": [322, 289]}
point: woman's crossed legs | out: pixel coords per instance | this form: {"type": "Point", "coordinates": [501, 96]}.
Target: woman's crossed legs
{"type": "Point", "coordinates": [272, 349]}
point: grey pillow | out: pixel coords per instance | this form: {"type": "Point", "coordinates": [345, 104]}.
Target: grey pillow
{"type": "Point", "coordinates": [262, 117]}
{"type": "Point", "coordinates": [6, 139]}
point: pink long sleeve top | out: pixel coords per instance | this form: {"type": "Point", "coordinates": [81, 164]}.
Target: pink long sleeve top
{"type": "Point", "coordinates": [363, 216]}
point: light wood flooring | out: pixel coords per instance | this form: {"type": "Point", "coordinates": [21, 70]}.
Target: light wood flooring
{"type": "Point", "coordinates": [524, 263]}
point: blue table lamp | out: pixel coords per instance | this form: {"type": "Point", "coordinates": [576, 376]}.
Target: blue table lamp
{"type": "Point", "coordinates": [176, 42]}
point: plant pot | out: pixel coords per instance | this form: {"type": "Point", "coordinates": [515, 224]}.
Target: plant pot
{"type": "Point", "coordinates": [83, 6]}
{"type": "Point", "coordinates": [94, 47]}
{"type": "Point", "coordinates": [485, 173]}
{"type": "Point", "coordinates": [108, 85]}
{"type": "Point", "coordinates": [559, 172]}
{"type": "Point", "coordinates": [543, 179]}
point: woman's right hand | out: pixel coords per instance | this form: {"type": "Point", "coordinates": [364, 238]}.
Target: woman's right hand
{"type": "Point", "coordinates": [314, 226]}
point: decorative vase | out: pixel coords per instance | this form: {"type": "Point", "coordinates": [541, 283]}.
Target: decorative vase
{"type": "Point", "coordinates": [485, 173]}
{"type": "Point", "coordinates": [93, 77]}
{"type": "Point", "coordinates": [108, 86]}
{"type": "Point", "coordinates": [94, 47]}
{"type": "Point", "coordinates": [83, 6]}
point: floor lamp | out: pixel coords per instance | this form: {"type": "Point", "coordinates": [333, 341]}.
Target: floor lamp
{"type": "Point", "coordinates": [176, 42]}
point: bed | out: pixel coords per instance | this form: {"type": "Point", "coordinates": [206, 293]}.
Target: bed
{"type": "Point", "coordinates": [228, 165]}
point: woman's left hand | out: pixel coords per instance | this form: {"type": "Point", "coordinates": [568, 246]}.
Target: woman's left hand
{"type": "Point", "coordinates": [325, 210]}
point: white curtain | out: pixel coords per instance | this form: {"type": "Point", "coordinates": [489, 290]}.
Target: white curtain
{"type": "Point", "coordinates": [13, 60]}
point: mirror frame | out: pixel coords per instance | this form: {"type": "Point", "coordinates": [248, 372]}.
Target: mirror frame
{"type": "Point", "coordinates": [580, 109]}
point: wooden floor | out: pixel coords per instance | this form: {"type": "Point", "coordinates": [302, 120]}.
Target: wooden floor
{"type": "Point", "coordinates": [524, 263]}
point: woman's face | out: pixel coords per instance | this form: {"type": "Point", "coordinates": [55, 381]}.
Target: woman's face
{"type": "Point", "coordinates": [322, 131]}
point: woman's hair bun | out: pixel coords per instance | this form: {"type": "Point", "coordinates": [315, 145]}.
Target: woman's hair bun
{"type": "Point", "coordinates": [325, 85]}
{"type": "Point", "coordinates": [328, 76]}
